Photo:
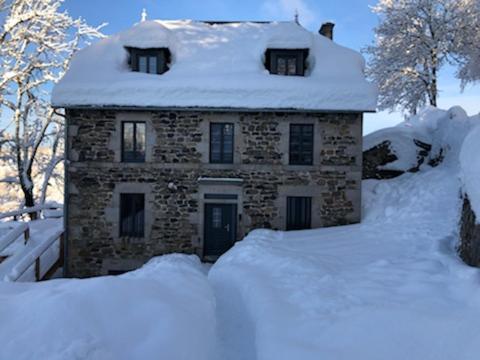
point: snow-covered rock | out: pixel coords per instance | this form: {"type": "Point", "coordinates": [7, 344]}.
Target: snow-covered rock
{"type": "Point", "coordinates": [424, 139]}
{"type": "Point", "coordinates": [163, 310]}
{"type": "Point", "coordinates": [218, 66]}
{"type": "Point", "coordinates": [470, 163]}
{"type": "Point", "coordinates": [470, 222]}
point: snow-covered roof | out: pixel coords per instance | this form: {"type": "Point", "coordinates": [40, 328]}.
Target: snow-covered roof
{"type": "Point", "coordinates": [217, 66]}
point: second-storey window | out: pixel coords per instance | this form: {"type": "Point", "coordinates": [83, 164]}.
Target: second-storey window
{"type": "Point", "coordinates": [221, 143]}
{"type": "Point", "coordinates": [132, 215]}
{"type": "Point", "coordinates": [301, 144]}
{"type": "Point", "coordinates": [133, 141]}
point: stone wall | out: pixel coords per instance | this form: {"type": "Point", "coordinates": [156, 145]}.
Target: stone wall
{"type": "Point", "coordinates": [177, 156]}
{"type": "Point", "coordinates": [469, 235]}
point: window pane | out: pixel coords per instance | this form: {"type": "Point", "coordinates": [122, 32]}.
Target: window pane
{"type": "Point", "coordinates": [281, 66]}
{"type": "Point", "coordinates": [133, 149]}
{"type": "Point", "coordinates": [152, 65]}
{"type": "Point", "coordinates": [299, 211]}
{"type": "Point", "coordinates": [128, 136]}
{"type": "Point", "coordinates": [292, 66]}
{"type": "Point", "coordinates": [227, 143]}
{"type": "Point", "coordinates": [132, 210]}
{"type": "Point", "coordinates": [142, 64]}
{"type": "Point", "coordinates": [216, 142]}
{"type": "Point", "coordinates": [301, 144]}
{"type": "Point", "coordinates": [140, 137]}
{"type": "Point", "coordinates": [221, 143]}
{"type": "Point", "coordinates": [217, 218]}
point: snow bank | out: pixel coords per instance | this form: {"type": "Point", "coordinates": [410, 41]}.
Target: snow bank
{"type": "Point", "coordinates": [470, 163]}
{"type": "Point", "coordinates": [163, 310]}
{"type": "Point", "coordinates": [219, 66]}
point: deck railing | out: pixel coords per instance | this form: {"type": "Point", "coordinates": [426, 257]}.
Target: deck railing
{"type": "Point", "coordinates": [13, 234]}
{"type": "Point", "coordinates": [33, 259]}
{"type": "Point", "coordinates": [42, 267]}
{"type": "Point", "coordinates": [37, 211]}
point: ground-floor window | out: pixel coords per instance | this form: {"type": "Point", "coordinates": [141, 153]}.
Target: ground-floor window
{"type": "Point", "coordinates": [299, 213]}
{"type": "Point", "coordinates": [132, 215]}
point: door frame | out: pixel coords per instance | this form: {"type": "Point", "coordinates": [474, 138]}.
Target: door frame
{"type": "Point", "coordinates": [213, 186]}
{"type": "Point", "coordinates": [234, 220]}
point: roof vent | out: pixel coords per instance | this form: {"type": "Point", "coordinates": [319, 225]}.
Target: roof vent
{"type": "Point", "coordinates": [327, 30]}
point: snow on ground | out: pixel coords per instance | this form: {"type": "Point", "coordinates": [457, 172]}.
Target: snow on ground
{"type": "Point", "coordinates": [165, 310]}
{"type": "Point", "coordinates": [219, 66]}
{"type": "Point", "coordinates": [389, 288]}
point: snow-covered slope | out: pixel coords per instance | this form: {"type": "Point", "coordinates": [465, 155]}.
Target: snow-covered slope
{"type": "Point", "coordinates": [163, 311]}
{"type": "Point", "coordinates": [217, 66]}
{"type": "Point", "coordinates": [392, 287]}
{"type": "Point", "coordinates": [389, 288]}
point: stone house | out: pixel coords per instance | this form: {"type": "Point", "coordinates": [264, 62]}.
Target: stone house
{"type": "Point", "coordinates": [183, 136]}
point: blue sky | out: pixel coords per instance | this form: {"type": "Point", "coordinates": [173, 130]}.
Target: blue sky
{"type": "Point", "coordinates": [353, 18]}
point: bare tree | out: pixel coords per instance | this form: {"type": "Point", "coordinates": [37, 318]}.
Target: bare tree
{"type": "Point", "coordinates": [38, 42]}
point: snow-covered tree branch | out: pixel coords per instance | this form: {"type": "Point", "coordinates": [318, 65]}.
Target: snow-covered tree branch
{"type": "Point", "coordinates": [38, 41]}
{"type": "Point", "coordinates": [414, 40]}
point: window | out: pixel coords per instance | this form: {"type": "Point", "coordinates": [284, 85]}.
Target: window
{"type": "Point", "coordinates": [286, 62]}
{"type": "Point", "coordinates": [299, 213]}
{"type": "Point", "coordinates": [301, 144]}
{"type": "Point", "coordinates": [133, 141]}
{"type": "Point", "coordinates": [221, 143]}
{"type": "Point", "coordinates": [132, 215]}
{"type": "Point", "coordinates": [150, 61]}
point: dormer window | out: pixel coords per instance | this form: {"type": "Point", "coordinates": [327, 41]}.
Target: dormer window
{"type": "Point", "coordinates": [149, 61]}
{"type": "Point", "coordinates": [287, 62]}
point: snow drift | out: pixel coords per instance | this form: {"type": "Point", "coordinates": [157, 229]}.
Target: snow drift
{"type": "Point", "coordinates": [218, 66]}
{"type": "Point", "coordinates": [163, 310]}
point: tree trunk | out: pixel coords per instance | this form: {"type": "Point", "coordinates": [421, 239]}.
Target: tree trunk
{"type": "Point", "coordinates": [433, 91]}
{"type": "Point", "coordinates": [29, 200]}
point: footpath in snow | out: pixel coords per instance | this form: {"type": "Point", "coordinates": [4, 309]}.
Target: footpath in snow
{"type": "Point", "coordinates": [391, 287]}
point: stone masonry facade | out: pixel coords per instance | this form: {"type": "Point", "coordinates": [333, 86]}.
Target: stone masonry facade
{"type": "Point", "coordinates": [177, 174]}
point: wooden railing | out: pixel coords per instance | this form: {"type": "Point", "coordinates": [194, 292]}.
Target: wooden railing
{"type": "Point", "coordinates": [17, 229]}
{"type": "Point", "coordinates": [37, 211]}
{"type": "Point", "coordinates": [34, 259]}
{"type": "Point", "coordinates": [40, 267]}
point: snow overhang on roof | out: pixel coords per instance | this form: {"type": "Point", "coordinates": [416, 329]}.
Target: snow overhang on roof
{"type": "Point", "coordinates": [217, 66]}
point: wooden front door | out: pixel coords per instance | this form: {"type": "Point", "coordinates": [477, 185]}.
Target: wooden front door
{"type": "Point", "coordinates": [220, 228]}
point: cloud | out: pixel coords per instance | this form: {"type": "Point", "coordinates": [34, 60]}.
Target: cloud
{"type": "Point", "coordinates": [285, 10]}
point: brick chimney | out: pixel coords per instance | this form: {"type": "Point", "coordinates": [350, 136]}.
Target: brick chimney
{"type": "Point", "coordinates": [327, 30]}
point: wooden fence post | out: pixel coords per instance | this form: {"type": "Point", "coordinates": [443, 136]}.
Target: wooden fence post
{"type": "Point", "coordinates": [26, 235]}
{"type": "Point", "coordinates": [37, 269]}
